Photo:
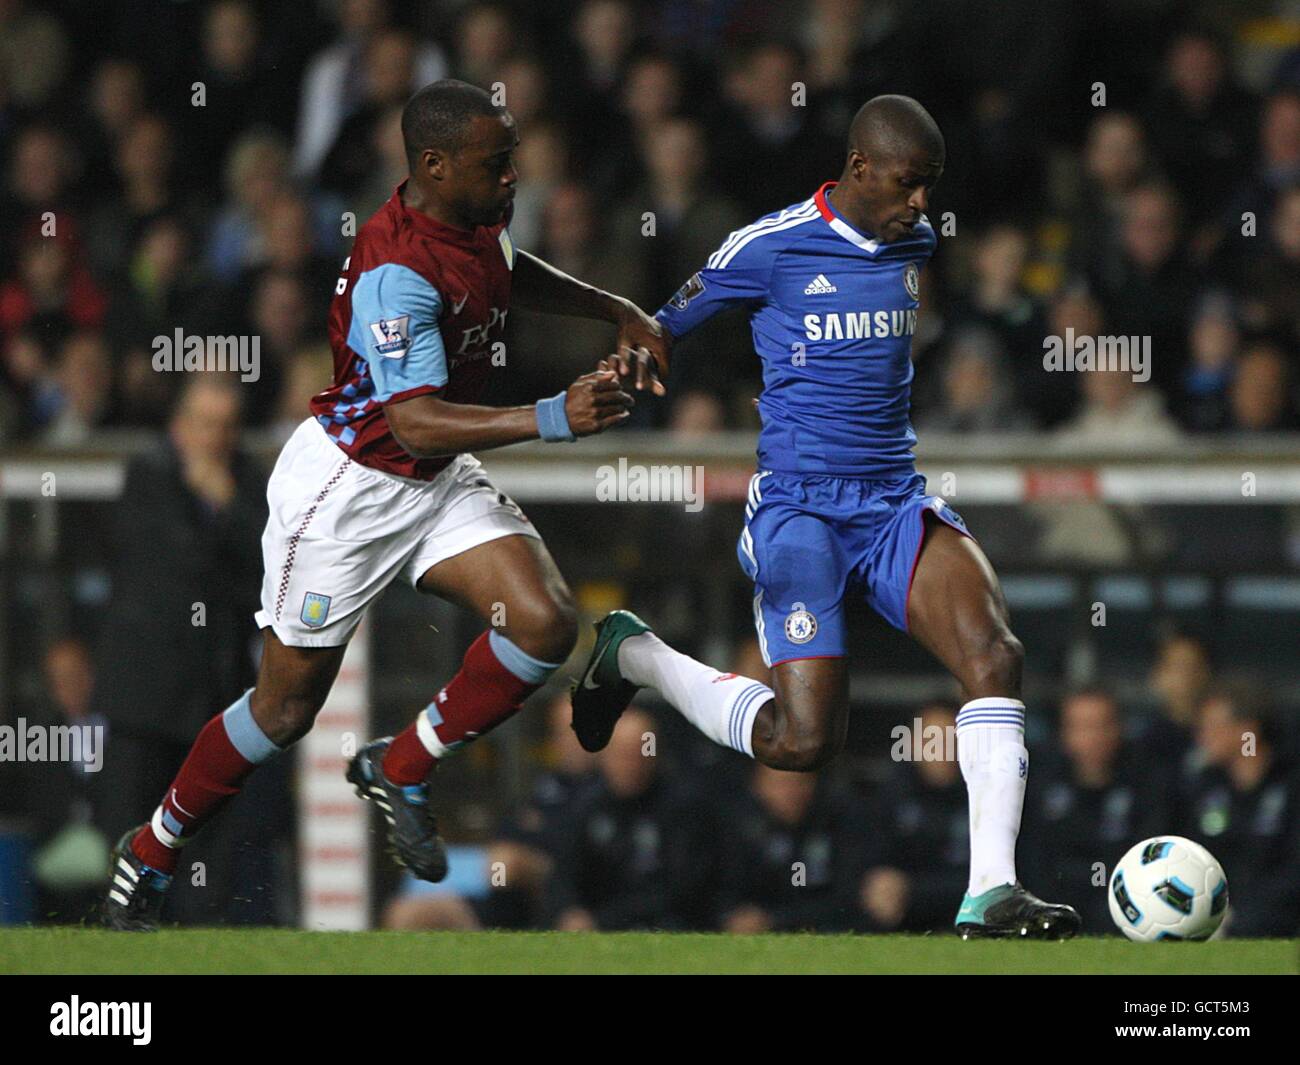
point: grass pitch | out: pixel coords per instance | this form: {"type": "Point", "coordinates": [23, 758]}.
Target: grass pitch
{"type": "Point", "coordinates": [193, 951]}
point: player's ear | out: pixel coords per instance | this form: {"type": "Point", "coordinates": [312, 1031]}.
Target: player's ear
{"type": "Point", "coordinates": [434, 161]}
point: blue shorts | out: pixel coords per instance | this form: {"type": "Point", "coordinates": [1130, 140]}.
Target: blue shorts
{"type": "Point", "coordinates": [809, 541]}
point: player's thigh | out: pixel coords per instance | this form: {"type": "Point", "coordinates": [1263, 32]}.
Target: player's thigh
{"type": "Point", "coordinates": [807, 722]}
{"type": "Point", "coordinates": [292, 685]}
{"type": "Point", "coordinates": [957, 611]}
{"type": "Point", "coordinates": [513, 583]}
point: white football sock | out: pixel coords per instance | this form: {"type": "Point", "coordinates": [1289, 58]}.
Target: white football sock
{"type": "Point", "coordinates": [721, 705]}
{"type": "Point", "coordinates": [995, 765]}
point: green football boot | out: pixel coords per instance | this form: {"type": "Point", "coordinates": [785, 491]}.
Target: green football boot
{"type": "Point", "coordinates": [602, 694]}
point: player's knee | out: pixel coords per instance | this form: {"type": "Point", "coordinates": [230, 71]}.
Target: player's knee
{"type": "Point", "coordinates": [995, 669]}
{"type": "Point", "coordinates": [804, 750]}
{"type": "Point", "coordinates": [546, 627]}
{"type": "Point", "coordinates": [285, 719]}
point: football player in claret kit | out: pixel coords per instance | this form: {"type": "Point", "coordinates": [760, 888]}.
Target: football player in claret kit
{"type": "Point", "coordinates": [378, 485]}
{"type": "Point", "coordinates": [837, 508]}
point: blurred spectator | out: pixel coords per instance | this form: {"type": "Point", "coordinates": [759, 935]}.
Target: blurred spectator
{"type": "Point", "coordinates": [1118, 413]}
{"type": "Point", "coordinates": [918, 863]}
{"type": "Point", "coordinates": [68, 867]}
{"type": "Point", "coordinates": [1179, 679]}
{"type": "Point", "coordinates": [1260, 397]}
{"type": "Point", "coordinates": [390, 58]}
{"type": "Point", "coordinates": [790, 856]}
{"type": "Point", "coordinates": [635, 852]}
{"type": "Point", "coordinates": [690, 219]}
{"type": "Point", "coordinates": [39, 178]}
{"type": "Point", "coordinates": [310, 370]}
{"type": "Point", "coordinates": [287, 244]}
{"type": "Point", "coordinates": [1268, 283]}
{"type": "Point", "coordinates": [977, 392]}
{"type": "Point", "coordinates": [673, 220]}
{"type": "Point", "coordinates": [279, 315]}
{"type": "Point", "coordinates": [761, 131]}
{"type": "Point", "coordinates": [545, 350]}
{"type": "Point", "coordinates": [334, 84]}
{"type": "Point", "coordinates": [1149, 290]}
{"type": "Point", "coordinates": [34, 54]}
{"type": "Point", "coordinates": [485, 39]}
{"type": "Point", "coordinates": [1245, 807]}
{"type": "Point", "coordinates": [186, 580]}
{"type": "Point", "coordinates": [1116, 160]}
{"type": "Point", "coordinates": [543, 163]}
{"type": "Point", "coordinates": [996, 300]}
{"type": "Point", "coordinates": [1214, 340]}
{"type": "Point", "coordinates": [1200, 123]}
{"type": "Point", "coordinates": [83, 391]}
{"type": "Point", "coordinates": [242, 84]}
{"type": "Point", "coordinates": [52, 293]}
{"type": "Point", "coordinates": [115, 100]}
{"type": "Point", "coordinates": [1088, 804]}
{"type": "Point", "coordinates": [143, 163]}
{"type": "Point", "coordinates": [1277, 167]}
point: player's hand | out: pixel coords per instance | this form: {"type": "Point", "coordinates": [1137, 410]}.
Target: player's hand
{"type": "Point", "coordinates": [643, 350]}
{"type": "Point", "coordinates": [596, 401]}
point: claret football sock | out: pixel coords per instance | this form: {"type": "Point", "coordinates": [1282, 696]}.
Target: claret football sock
{"type": "Point", "coordinates": [995, 764]}
{"type": "Point", "coordinates": [495, 678]}
{"type": "Point", "coordinates": [721, 705]}
{"type": "Point", "coordinates": [225, 753]}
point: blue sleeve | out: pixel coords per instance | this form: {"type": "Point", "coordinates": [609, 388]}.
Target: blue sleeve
{"type": "Point", "coordinates": [738, 272]}
{"type": "Point", "coordinates": [395, 329]}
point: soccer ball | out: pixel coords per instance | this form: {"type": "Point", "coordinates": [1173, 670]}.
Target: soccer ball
{"type": "Point", "coordinates": [1168, 887]}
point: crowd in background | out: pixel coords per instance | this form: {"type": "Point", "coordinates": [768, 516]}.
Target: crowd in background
{"type": "Point", "coordinates": [197, 166]}
{"type": "Point", "coordinates": [202, 166]}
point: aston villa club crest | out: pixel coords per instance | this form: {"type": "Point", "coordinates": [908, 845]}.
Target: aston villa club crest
{"type": "Point", "coordinates": [912, 281]}
{"type": "Point", "coordinates": [315, 609]}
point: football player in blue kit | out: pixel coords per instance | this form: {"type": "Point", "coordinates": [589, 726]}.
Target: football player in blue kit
{"type": "Point", "coordinates": [837, 509]}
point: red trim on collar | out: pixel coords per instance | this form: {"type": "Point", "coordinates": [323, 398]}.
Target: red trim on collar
{"type": "Point", "coordinates": [820, 198]}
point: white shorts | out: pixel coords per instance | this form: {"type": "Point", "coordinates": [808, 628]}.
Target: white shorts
{"type": "Point", "coordinates": [339, 533]}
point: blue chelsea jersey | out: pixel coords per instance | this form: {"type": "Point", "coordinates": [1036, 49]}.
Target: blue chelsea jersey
{"type": "Point", "coordinates": [833, 312]}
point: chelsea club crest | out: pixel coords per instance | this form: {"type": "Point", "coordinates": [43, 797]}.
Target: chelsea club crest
{"type": "Point", "coordinates": [800, 626]}
{"type": "Point", "coordinates": [912, 281]}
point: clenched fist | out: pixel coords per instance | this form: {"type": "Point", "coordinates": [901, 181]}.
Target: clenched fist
{"type": "Point", "coordinates": [595, 401]}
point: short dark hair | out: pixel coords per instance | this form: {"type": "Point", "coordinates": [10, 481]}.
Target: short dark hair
{"type": "Point", "coordinates": [438, 116]}
{"type": "Point", "coordinates": [893, 127]}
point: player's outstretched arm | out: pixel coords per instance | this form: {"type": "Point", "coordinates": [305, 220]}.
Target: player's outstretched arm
{"type": "Point", "coordinates": [643, 347]}
{"type": "Point", "coordinates": [429, 427]}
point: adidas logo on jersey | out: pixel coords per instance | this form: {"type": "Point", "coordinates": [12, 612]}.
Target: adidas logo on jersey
{"type": "Point", "coordinates": [819, 286]}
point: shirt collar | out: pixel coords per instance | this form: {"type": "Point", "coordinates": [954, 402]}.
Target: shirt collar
{"type": "Point", "coordinates": [838, 223]}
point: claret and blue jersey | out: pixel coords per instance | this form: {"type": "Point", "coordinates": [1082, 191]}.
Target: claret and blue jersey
{"type": "Point", "coordinates": [836, 503]}
{"type": "Point", "coordinates": [419, 310]}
